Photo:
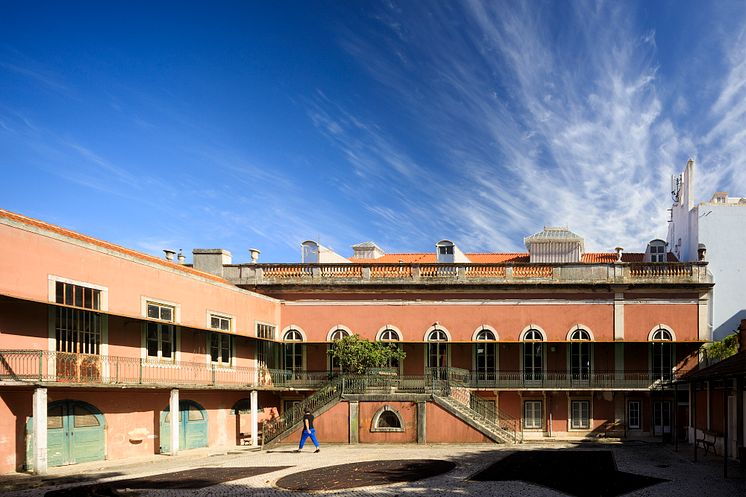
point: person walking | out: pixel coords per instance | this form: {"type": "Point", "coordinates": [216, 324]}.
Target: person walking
{"type": "Point", "coordinates": [308, 431]}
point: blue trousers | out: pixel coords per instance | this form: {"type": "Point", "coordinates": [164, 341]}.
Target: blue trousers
{"type": "Point", "coordinates": [305, 435]}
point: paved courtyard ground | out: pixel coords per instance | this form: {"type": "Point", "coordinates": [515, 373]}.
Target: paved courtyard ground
{"type": "Point", "coordinates": [640, 469]}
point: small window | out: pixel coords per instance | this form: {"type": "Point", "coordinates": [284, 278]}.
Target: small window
{"type": "Point", "coordinates": [580, 414]}
{"type": "Point", "coordinates": [54, 418]}
{"type": "Point", "coordinates": [532, 415]}
{"type": "Point", "coordinates": [446, 250]}
{"type": "Point", "coordinates": [389, 420]}
{"type": "Point", "coordinates": [265, 331]}
{"type": "Point", "coordinates": [633, 417]}
{"type": "Point", "coordinates": [389, 335]}
{"type": "Point", "coordinates": [338, 334]}
{"type": "Point", "coordinates": [84, 418]}
{"type": "Point", "coordinates": [220, 322]}
{"type": "Point", "coordinates": [160, 311]}
{"type": "Point", "coordinates": [77, 296]}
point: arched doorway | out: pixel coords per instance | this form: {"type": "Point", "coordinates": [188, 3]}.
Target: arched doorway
{"type": "Point", "coordinates": [75, 434]}
{"type": "Point", "coordinates": [192, 426]}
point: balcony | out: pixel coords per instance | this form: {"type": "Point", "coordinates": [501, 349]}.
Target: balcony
{"type": "Point", "coordinates": [42, 367]}
{"type": "Point", "coordinates": [256, 275]}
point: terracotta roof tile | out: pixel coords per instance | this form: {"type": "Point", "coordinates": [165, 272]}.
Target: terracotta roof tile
{"type": "Point", "coordinates": [109, 246]}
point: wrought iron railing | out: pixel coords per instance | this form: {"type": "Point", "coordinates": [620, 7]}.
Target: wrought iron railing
{"type": "Point", "coordinates": [44, 366]}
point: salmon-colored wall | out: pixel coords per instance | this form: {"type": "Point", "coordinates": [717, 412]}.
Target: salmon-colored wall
{"type": "Point", "coordinates": [640, 319]}
{"type": "Point", "coordinates": [27, 259]}
{"type": "Point", "coordinates": [333, 426]}
{"type": "Point", "coordinates": [23, 325]}
{"type": "Point", "coordinates": [14, 408]}
{"type": "Point", "coordinates": [461, 321]}
{"type": "Point", "coordinates": [443, 427]}
{"type": "Point", "coordinates": [407, 412]}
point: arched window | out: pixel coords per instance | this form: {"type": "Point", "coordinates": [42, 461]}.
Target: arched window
{"type": "Point", "coordinates": [485, 354]}
{"type": "Point", "coordinates": [662, 354]}
{"type": "Point", "coordinates": [533, 355]}
{"type": "Point", "coordinates": [334, 335]}
{"type": "Point", "coordinates": [437, 351]}
{"type": "Point", "coordinates": [580, 354]}
{"type": "Point", "coordinates": [387, 419]}
{"type": "Point", "coordinates": [391, 335]}
{"type": "Point", "coordinates": [293, 350]}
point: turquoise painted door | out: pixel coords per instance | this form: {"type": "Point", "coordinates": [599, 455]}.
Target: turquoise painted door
{"type": "Point", "coordinates": [192, 427]}
{"type": "Point", "coordinates": [75, 434]}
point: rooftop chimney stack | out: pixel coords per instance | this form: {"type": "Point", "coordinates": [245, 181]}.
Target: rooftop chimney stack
{"type": "Point", "coordinates": [181, 257]}
{"type": "Point", "coordinates": [701, 252]}
{"type": "Point", "coordinates": [169, 254]}
{"type": "Point", "coordinates": [211, 260]}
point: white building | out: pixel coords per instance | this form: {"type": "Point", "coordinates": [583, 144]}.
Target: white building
{"type": "Point", "coordinates": [716, 231]}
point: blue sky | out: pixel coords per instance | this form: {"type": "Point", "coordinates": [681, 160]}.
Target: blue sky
{"type": "Point", "coordinates": [262, 124]}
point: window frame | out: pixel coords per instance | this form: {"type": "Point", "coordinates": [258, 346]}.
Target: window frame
{"type": "Point", "coordinates": [638, 425]}
{"type": "Point", "coordinates": [581, 423]}
{"type": "Point", "coordinates": [231, 348]}
{"type": "Point", "coordinates": [533, 426]}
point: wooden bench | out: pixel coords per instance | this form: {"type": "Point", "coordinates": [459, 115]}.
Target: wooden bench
{"type": "Point", "coordinates": [707, 441]}
{"type": "Point", "coordinates": [245, 438]}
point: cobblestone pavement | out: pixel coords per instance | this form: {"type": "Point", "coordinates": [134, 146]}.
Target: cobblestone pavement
{"type": "Point", "coordinates": [686, 478]}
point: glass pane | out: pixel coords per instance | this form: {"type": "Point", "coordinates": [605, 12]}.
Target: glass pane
{"type": "Point", "coordinates": [214, 347]}
{"type": "Point", "coordinates": [84, 418]}
{"type": "Point", "coordinates": [167, 314]}
{"type": "Point", "coordinates": [97, 299]}
{"type": "Point", "coordinates": [225, 324]}
{"type": "Point", "coordinates": [54, 418]}
{"type": "Point", "coordinates": [78, 296]}
{"type": "Point", "coordinates": [214, 322]}
{"type": "Point", "coordinates": [68, 294]}
{"type": "Point", "coordinates": [194, 414]}
{"type": "Point", "coordinates": [59, 292]}
{"type": "Point", "coordinates": [153, 311]}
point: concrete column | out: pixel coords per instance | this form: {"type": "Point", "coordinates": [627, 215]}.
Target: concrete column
{"type": "Point", "coordinates": [40, 431]}
{"type": "Point", "coordinates": [254, 401]}
{"type": "Point", "coordinates": [173, 406]}
{"type": "Point", "coordinates": [421, 422]}
{"type": "Point", "coordinates": [354, 422]}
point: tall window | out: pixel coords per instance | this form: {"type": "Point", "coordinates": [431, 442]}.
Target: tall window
{"type": "Point", "coordinates": [485, 353]}
{"type": "Point", "coordinates": [662, 352]}
{"type": "Point", "coordinates": [160, 341]}
{"type": "Point", "coordinates": [633, 417]}
{"type": "Point", "coordinates": [580, 355]}
{"type": "Point", "coordinates": [160, 337]}
{"type": "Point", "coordinates": [437, 349]}
{"type": "Point", "coordinates": [533, 355]}
{"type": "Point", "coordinates": [580, 414]}
{"type": "Point", "coordinates": [391, 336]}
{"type": "Point", "coordinates": [293, 354]}
{"type": "Point", "coordinates": [335, 335]}
{"type": "Point", "coordinates": [657, 252]}
{"type": "Point", "coordinates": [221, 348]}
{"type": "Point", "coordinates": [532, 415]}
{"type": "Point", "coordinates": [77, 331]}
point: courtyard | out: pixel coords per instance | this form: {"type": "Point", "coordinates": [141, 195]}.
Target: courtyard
{"type": "Point", "coordinates": [584, 469]}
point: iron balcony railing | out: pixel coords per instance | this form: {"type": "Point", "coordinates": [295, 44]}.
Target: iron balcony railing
{"type": "Point", "coordinates": [67, 368]}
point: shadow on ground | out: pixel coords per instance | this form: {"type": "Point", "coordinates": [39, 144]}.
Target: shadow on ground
{"type": "Point", "coordinates": [364, 474]}
{"type": "Point", "coordinates": [582, 473]}
{"type": "Point", "coordinates": [183, 480]}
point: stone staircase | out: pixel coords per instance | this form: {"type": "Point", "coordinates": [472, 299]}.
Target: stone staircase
{"type": "Point", "coordinates": [497, 427]}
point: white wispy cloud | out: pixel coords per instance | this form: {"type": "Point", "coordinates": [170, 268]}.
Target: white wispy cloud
{"type": "Point", "coordinates": [528, 124]}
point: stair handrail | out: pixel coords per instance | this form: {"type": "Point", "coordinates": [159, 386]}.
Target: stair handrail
{"type": "Point", "coordinates": [328, 393]}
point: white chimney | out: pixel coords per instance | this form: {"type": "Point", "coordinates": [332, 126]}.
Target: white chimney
{"type": "Point", "coordinates": [169, 254]}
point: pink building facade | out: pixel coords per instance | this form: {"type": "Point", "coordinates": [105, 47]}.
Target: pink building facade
{"type": "Point", "coordinates": [99, 345]}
